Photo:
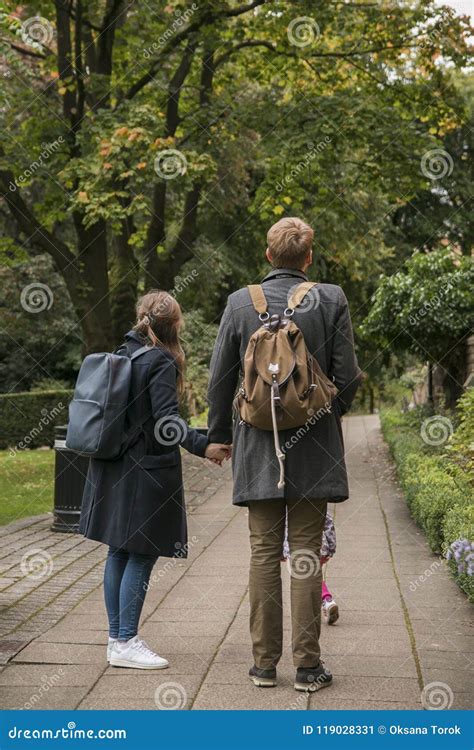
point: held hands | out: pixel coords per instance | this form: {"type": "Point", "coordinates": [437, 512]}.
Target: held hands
{"type": "Point", "coordinates": [218, 452]}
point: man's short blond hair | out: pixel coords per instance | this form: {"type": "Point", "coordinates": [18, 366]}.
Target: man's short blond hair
{"type": "Point", "coordinates": [289, 243]}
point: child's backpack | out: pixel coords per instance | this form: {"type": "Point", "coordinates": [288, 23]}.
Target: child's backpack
{"type": "Point", "coordinates": [283, 386]}
{"type": "Point", "coordinates": [97, 412]}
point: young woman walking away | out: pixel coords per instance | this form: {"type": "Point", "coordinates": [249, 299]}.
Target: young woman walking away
{"type": "Point", "coordinates": [135, 503]}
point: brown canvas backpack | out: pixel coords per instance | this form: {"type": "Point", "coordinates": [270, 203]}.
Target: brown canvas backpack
{"type": "Point", "coordinates": [283, 386]}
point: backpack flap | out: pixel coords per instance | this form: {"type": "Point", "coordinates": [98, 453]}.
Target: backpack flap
{"type": "Point", "coordinates": [274, 357]}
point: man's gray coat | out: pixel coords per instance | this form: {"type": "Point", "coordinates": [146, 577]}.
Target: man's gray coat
{"type": "Point", "coordinates": [314, 464]}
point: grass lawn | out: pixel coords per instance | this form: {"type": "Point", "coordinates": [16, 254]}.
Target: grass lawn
{"type": "Point", "coordinates": [26, 484]}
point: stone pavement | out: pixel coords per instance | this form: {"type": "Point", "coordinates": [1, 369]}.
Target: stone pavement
{"type": "Point", "coordinates": [403, 639]}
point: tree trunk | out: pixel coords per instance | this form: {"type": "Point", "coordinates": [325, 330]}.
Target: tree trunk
{"type": "Point", "coordinates": [92, 261]}
{"type": "Point", "coordinates": [124, 279]}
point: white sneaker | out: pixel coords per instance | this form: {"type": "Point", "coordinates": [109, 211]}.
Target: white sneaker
{"type": "Point", "coordinates": [110, 644]}
{"type": "Point", "coordinates": [135, 654]}
{"type": "Point", "coordinates": [330, 611]}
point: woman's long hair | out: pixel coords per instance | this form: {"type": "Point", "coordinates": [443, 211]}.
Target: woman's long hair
{"type": "Point", "coordinates": [159, 319]}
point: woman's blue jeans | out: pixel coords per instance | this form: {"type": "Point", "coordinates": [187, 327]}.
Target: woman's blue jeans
{"type": "Point", "coordinates": [126, 577]}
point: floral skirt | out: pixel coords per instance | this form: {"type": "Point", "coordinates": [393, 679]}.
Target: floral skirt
{"type": "Point", "coordinates": [328, 546]}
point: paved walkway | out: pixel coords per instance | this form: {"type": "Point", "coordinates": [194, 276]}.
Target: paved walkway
{"type": "Point", "coordinates": [403, 639]}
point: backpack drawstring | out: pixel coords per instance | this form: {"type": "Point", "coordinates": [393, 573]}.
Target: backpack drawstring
{"type": "Point", "coordinates": [279, 453]}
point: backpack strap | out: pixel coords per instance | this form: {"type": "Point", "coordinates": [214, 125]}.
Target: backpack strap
{"type": "Point", "coordinates": [140, 351]}
{"type": "Point", "coordinates": [258, 298]}
{"type": "Point", "coordinates": [300, 293]}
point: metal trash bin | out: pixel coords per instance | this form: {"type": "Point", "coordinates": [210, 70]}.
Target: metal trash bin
{"type": "Point", "coordinates": [70, 471]}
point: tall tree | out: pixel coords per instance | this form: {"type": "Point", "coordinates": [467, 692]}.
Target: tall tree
{"type": "Point", "coordinates": [168, 127]}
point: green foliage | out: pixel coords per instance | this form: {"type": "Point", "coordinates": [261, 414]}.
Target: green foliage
{"type": "Point", "coordinates": [198, 339]}
{"type": "Point", "coordinates": [38, 322]}
{"type": "Point", "coordinates": [438, 492]}
{"type": "Point", "coordinates": [270, 128]}
{"type": "Point", "coordinates": [425, 308]}
{"type": "Point", "coordinates": [430, 491]}
{"type": "Point", "coordinates": [27, 420]}
{"type": "Point", "coordinates": [459, 524]}
{"type": "Point", "coordinates": [461, 445]}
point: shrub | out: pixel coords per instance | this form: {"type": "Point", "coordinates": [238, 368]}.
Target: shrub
{"type": "Point", "coordinates": [27, 420]}
{"type": "Point", "coordinates": [434, 485]}
{"type": "Point", "coordinates": [461, 445]}
{"type": "Point", "coordinates": [459, 524]}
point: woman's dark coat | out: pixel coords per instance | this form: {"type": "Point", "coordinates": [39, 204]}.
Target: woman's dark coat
{"type": "Point", "coordinates": [136, 502]}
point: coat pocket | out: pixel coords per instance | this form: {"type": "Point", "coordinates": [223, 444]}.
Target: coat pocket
{"type": "Point", "coordinates": [160, 477]}
{"type": "Point", "coordinates": [158, 462]}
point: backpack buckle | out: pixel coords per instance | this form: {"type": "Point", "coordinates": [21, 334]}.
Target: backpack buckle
{"type": "Point", "coordinates": [263, 317]}
{"type": "Point", "coordinates": [288, 312]}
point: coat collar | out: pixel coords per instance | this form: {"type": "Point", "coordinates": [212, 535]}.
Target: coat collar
{"type": "Point", "coordinates": [135, 336]}
{"type": "Point", "coordinates": [275, 272]}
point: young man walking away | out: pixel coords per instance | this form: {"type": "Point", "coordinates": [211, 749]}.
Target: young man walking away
{"type": "Point", "coordinates": [279, 469]}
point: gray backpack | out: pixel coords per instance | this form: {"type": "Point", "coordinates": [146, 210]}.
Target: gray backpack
{"type": "Point", "coordinates": [97, 412]}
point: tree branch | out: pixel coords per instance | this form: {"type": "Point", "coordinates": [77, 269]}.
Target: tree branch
{"type": "Point", "coordinates": [174, 89]}
{"type": "Point", "coordinates": [27, 223]}
{"type": "Point", "coordinates": [244, 8]}
{"type": "Point", "coordinates": [105, 40]}
{"type": "Point", "coordinates": [24, 51]}
{"type": "Point", "coordinates": [242, 45]}
{"type": "Point", "coordinates": [206, 18]}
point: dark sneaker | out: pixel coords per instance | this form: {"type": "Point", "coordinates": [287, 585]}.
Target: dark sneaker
{"type": "Point", "coordinates": [310, 679]}
{"type": "Point", "coordinates": [263, 677]}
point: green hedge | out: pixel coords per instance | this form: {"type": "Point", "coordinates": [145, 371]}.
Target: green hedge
{"type": "Point", "coordinates": [27, 420]}
{"type": "Point", "coordinates": [459, 524]}
{"type": "Point", "coordinates": [437, 490]}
